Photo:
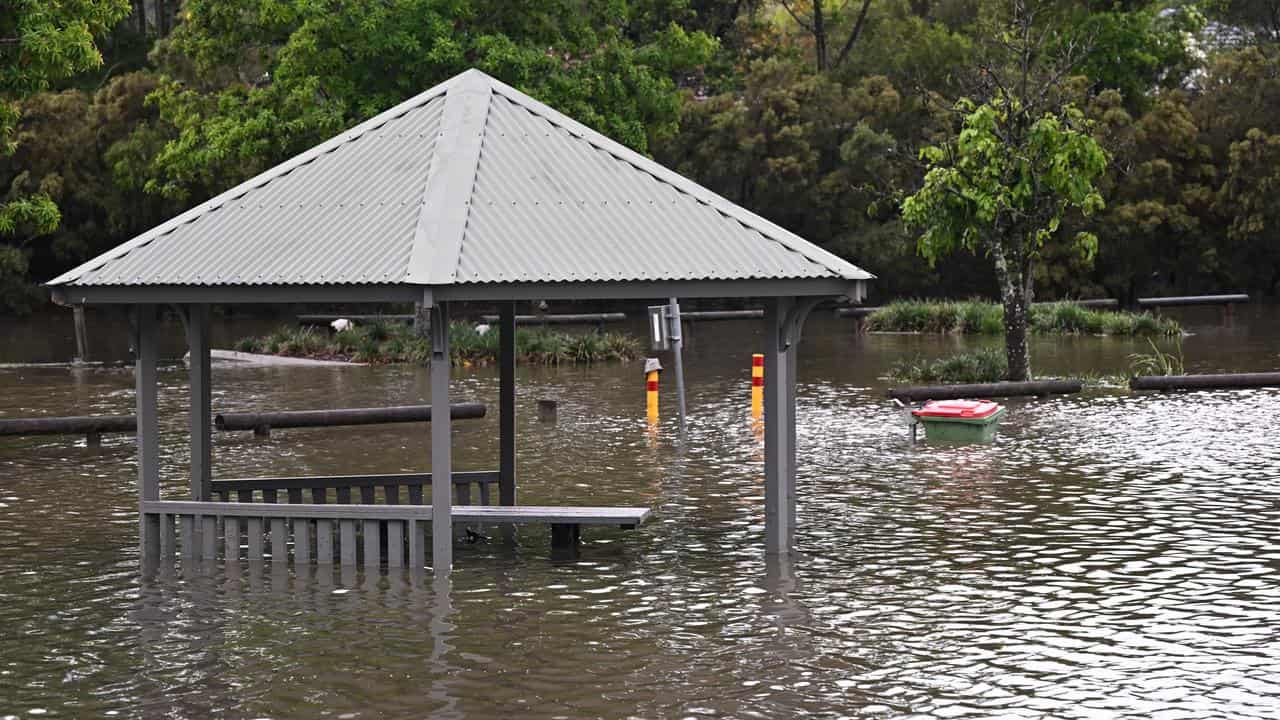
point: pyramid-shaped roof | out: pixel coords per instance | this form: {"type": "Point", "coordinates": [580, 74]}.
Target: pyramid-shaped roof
{"type": "Point", "coordinates": [471, 184]}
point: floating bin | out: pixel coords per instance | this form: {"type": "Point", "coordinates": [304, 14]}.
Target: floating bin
{"type": "Point", "coordinates": [962, 421]}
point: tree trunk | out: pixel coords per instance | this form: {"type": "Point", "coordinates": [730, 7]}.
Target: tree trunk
{"type": "Point", "coordinates": [1015, 294]}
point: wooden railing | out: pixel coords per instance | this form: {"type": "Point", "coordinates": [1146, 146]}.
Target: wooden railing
{"type": "Point", "coordinates": [397, 488]}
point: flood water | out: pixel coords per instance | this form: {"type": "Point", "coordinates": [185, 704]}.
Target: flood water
{"type": "Point", "coordinates": [1111, 555]}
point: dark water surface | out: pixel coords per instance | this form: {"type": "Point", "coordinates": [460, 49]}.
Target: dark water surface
{"type": "Point", "coordinates": [1112, 555]}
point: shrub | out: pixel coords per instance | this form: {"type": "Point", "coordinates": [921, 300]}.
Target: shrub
{"type": "Point", "coordinates": [977, 317]}
{"type": "Point", "coordinates": [979, 366]}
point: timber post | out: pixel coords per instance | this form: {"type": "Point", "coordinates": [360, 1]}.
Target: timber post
{"type": "Point", "coordinates": [507, 404]}
{"type": "Point", "coordinates": [441, 440]}
{"type": "Point", "coordinates": [777, 433]}
{"type": "Point", "coordinates": [82, 333]}
{"type": "Point", "coordinates": [146, 347]}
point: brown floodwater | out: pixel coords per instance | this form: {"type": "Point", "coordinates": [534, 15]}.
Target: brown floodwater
{"type": "Point", "coordinates": [1111, 555]}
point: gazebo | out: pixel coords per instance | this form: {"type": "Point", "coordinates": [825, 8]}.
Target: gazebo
{"type": "Point", "coordinates": [469, 192]}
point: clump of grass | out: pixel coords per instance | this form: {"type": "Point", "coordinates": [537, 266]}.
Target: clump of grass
{"type": "Point", "coordinates": [977, 317]}
{"type": "Point", "coordinates": [1158, 361]}
{"type": "Point", "coordinates": [390, 342]}
{"type": "Point", "coordinates": [980, 366]}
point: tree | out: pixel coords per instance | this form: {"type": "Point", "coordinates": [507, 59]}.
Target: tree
{"type": "Point", "coordinates": [818, 20]}
{"type": "Point", "coordinates": [254, 81]}
{"type": "Point", "coordinates": [40, 41]}
{"type": "Point", "coordinates": [1021, 159]}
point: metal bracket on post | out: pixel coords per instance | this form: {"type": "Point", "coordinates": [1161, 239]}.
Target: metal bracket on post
{"type": "Point", "coordinates": [793, 324]}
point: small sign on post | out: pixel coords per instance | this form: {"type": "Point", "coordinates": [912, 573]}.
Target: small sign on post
{"type": "Point", "coordinates": [659, 329]}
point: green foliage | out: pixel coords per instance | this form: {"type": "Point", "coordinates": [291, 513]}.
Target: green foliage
{"type": "Point", "coordinates": [41, 41]}
{"type": "Point", "coordinates": [391, 342]}
{"type": "Point", "coordinates": [1158, 361]}
{"type": "Point", "coordinates": [980, 366]}
{"type": "Point", "coordinates": [1003, 191]}
{"type": "Point", "coordinates": [976, 317]}
{"type": "Point", "coordinates": [255, 81]}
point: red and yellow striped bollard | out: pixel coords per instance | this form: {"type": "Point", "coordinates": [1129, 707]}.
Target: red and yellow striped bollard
{"type": "Point", "coordinates": [651, 368]}
{"type": "Point", "coordinates": [757, 386]}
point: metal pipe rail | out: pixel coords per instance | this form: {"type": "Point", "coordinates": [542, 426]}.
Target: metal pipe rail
{"type": "Point", "coordinates": [262, 422]}
{"type": "Point", "coordinates": [326, 319]}
{"type": "Point", "coordinates": [91, 426]}
{"type": "Point", "coordinates": [986, 390]}
{"type": "Point", "coordinates": [562, 319]}
{"type": "Point", "coordinates": [721, 314]}
{"type": "Point", "coordinates": [1193, 300]}
{"type": "Point", "coordinates": [1205, 382]}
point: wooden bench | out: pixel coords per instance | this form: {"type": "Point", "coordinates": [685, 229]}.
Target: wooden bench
{"type": "Point", "coordinates": [379, 533]}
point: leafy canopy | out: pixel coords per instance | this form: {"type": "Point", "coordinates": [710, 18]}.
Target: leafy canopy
{"type": "Point", "coordinates": [1003, 188]}
{"type": "Point", "coordinates": [252, 82]}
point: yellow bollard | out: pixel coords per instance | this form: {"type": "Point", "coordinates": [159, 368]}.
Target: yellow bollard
{"type": "Point", "coordinates": [652, 366]}
{"type": "Point", "coordinates": [651, 385]}
{"type": "Point", "coordinates": [757, 386]}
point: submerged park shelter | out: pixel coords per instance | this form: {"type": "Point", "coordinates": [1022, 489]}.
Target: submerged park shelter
{"type": "Point", "coordinates": [469, 192]}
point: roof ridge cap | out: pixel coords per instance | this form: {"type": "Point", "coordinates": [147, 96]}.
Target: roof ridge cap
{"type": "Point", "coordinates": [263, 178]}
{"type": "Point", "coordinates": [446, 197]}
{"type": "Point", "coordinates": [765, 227]}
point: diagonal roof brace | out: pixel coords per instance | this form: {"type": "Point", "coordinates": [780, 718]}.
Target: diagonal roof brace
{"type": "Point", "coordinates": [446, 200]}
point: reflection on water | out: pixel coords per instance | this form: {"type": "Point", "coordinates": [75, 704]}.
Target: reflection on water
{"type": "Point", "coordinates": [1109, 556]}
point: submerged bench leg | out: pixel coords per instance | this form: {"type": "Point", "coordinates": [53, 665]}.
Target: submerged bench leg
{"type": "Point", "coordinates": [564, 535]}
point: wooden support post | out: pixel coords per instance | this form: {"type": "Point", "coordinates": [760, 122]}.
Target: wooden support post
{"type": "Point", "coordinates": [441, 443]}
{"type": "Point", "coordinates": [147, 348]}
{"type": "Point", "coordinates": [790, 498]}
{"type": "Point", "coordinates": [201, 409]}
{"type": "Point", "coordinates": [778, 451]}
{"type": "Point", "coordinates": [82, 334]}
{"type": "Point", "coordinates": [565, 535]}
{"type": "Point", "coordinates": [507, 405]}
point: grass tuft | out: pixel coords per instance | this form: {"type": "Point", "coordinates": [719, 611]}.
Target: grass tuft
{"type": "Point", "coordinates": [980, 366]}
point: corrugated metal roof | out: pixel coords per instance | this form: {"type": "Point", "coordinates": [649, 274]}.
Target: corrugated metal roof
{"type": "Point", "coordinates": [471, 182]}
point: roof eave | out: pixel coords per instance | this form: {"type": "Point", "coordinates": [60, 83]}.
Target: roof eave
{"type": "Point", "coordinates": [853, 290]}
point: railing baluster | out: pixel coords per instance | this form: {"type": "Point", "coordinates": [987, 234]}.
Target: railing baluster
{"type": "Point", "coordinates": [301, 541]}
{"type": "Point", "coordinates": [270, 495]}
{"type": "Point", "coordinates": [231, 538]}
{"type": "Point", "coordinates": [417, 558]}
{"type": "Point", "coordinates": [344, 496]}
{"type": "Point", "coordinates": [484, 493]}
{"type": "Point", "coordinates": [463, 491]}
{"type": "Point", "coordinates": [372, 558]}
{"type": "Point", "coordinates": [253, 529]}
{"type": "Point", "coordinates": [415, 494]}
{"type": "Point", "coordinates": [190, 545]}
{"type": "Point", "coordinates": [391, 494]}
{"type": "Point", "coordinates": [295, 496]}
{"type": "Point", "coordinates": [279, 541]}
{"type": "Point", "coordinates": [347, 541]}
{"type": "Point", "coordinates": [244, 495]}
{"type": "Point", "coordinates": [209, 536]}
{"type": "Point", "coordinates": [395, 543]}
{"type": "Point", "coordinates": [324, 542]}
{"type": "Point", "coordinates": [167, 550]}
{"type": "Point", "coordinates": [319, 496]}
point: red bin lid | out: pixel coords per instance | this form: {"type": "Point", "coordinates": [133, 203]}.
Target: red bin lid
{"type": "Point", "coordinates": [957, 409]}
